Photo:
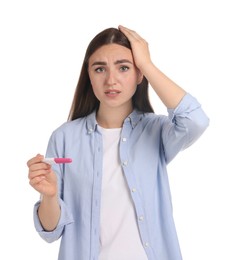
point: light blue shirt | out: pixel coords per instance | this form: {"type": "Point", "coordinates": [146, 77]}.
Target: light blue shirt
{"type": "Point", "coordinates": [148, 143]}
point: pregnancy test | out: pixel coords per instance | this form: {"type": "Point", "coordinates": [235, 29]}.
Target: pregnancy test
{"type": "Point", "coordinates": [57, 160]}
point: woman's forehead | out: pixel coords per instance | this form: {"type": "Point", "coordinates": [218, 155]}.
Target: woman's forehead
{"type": "Point", "coordinates": [111, 51]}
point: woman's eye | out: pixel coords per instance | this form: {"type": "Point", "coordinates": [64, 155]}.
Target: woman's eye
{"type": "Point", "coordinates": [124, 68]}
{"type": "Point", "coordinates": [100, 69]}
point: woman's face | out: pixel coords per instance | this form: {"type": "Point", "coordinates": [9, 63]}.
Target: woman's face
{"type": "Point", "coordinates": [113, 75]}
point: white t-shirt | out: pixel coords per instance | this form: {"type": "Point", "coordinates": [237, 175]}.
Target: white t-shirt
{"type": "Point", "coordinates": [119, 235]}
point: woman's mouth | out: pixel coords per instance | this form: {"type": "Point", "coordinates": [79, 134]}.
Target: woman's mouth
{"type": "Point", "coordinates": [112, 92]}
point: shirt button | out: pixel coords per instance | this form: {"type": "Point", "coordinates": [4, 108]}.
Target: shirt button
{"type": "Point", "coordinates": [133, 190]}
{"type": "Point", "coordinates": [124, 139]}
{"type": "Point", "coordinates": [125, 163]}
{"type": "Point", "coordinates": [141, 218]}
{"type": "Point", "coordinates": [147, 244]}
{"type": "Point", "coordinates": [90, 130]}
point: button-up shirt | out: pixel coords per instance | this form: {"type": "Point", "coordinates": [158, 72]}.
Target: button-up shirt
{"type": "Point", "coordinates": [148, 143]}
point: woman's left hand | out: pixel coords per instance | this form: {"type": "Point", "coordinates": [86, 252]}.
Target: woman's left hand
{"type": "Point", "coordinates": [140, 48]}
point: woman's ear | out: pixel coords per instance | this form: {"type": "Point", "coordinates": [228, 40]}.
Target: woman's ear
{"type": "Point", "coordinates": [139, 77]}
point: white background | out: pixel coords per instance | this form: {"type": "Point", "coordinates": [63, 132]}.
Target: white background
{"type": "Point", "coordinates": [194, 42]}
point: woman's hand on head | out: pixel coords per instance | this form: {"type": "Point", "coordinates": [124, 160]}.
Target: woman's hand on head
{"type": "Point", "coordinates": [41, 177]}
{"type": "Point", "coordinates": [140, 48]}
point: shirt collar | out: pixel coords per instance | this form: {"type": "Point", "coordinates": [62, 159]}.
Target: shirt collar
{"type": "Point", "coordinates": [133, 119]}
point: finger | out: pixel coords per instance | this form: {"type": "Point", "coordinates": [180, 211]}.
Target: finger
{"type": "Point", "coordinates": [38, 158]}
{"type": "Point", "coordinates": [39, 166]}
{"type": "Point", "coordinates": [129, 33]}
{"type": "Point", "coordinates": [36, 181]}
{"type": "Point", "coordinates": [36, 171]}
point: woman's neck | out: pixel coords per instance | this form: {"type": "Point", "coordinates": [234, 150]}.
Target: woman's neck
{"type": "Point", "coordinates": [112, 117]}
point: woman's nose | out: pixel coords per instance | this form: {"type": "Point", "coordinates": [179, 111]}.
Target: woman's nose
{"type": "Point", "coordinates": [111, 78]}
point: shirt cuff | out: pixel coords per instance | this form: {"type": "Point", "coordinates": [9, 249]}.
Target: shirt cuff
{"type": "Point", "coordinates": [65, 219]}
{"type": "Point", "coordinates": [185, 106]}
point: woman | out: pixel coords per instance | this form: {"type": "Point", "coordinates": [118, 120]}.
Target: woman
{"type": "Point", "coordinates": [113, 201]}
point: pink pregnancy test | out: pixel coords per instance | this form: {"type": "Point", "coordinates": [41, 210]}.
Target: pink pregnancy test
{"type": "Point", "coordinates": [57, 160]}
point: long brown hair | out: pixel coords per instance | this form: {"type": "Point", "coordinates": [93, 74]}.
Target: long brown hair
{"type": "Point", "coordinates": [84, 101]}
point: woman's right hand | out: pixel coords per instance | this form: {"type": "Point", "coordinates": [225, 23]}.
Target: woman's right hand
{"type": "Point", "coordinates": [41, 176]}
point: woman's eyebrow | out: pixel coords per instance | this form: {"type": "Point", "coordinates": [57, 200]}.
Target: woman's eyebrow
{"type": "Point", "coordinates": [99, 63]}
{"type": "Point", "coordinates": [123, 61]}
{"type": "Point", "coordinates": [116, 62]}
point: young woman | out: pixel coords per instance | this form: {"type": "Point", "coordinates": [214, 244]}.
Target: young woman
{"type": "Point", "coordinates": [113, 201]}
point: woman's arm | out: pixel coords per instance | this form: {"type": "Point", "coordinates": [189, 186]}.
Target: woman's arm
{"type": "Point", "coordinates": [43, 179]}
{"type": "Point", "coordinates": [49, 212]}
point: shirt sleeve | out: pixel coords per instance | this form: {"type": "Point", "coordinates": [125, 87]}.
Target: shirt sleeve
{"type": "Point", "coordinates": [65, 219]}
{"type": "Point", "coordinates": [184, 125]}
{"type": "Point", "coordinates": [55, 149]}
